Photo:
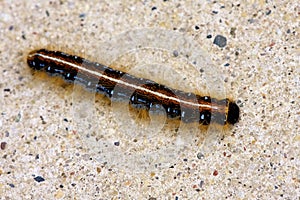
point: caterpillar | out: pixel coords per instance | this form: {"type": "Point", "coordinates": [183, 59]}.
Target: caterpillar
{"type": "Point", "coordinates": [141, 93]}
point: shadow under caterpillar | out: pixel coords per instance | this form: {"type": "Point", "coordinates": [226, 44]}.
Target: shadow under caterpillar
{"type": "Point", "coordinates": [141, 93]}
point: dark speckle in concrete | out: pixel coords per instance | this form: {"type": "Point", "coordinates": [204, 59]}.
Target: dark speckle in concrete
{"type": "Point", "coordinates": [39, 179]}
{"type": "Point", "coordinates": [220, 40]}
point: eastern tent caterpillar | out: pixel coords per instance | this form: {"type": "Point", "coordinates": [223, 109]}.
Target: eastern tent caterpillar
{"type": "Point", "coordinates": [141, 93]}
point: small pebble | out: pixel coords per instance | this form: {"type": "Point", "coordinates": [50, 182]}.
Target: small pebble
{"type": "Point", "coordinates": [6, 134]}
{"type": "Point", "coordinates": [232, 31]}
{"type": "Point", "coordinates": [98, 170]}
{"type": "Point", "coordinates": [175, 53]}
{"type": "Point", "coordinates": [3, 145]}
{"type": "Point", "coordinates": [201, 184]}
{"type": "Point", "coordinates": [18, 117]}
{"type": "Point", "coordinates": [200, 155]}
{"type": "Point", "coordinates": [39, 179]}
{"type": "Point", "coordinates": [215, 173]}
{"type": "Point", "coordinates": [116, 143]}
{"type": "Point", "coordinates": [220, 40]}
{"type": "Point", "coordinates": [82, 15]}
{"type": "Point", "coordinates": [268, 12]}
{"type": "Point", "coordinates": [23, 36]}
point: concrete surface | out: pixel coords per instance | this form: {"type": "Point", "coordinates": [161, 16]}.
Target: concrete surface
{"type": "Point", "coordinates": [60, 142]}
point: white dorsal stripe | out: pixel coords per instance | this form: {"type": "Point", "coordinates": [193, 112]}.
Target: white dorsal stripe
{"type": "Point", "coordinates": [120, 81]}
